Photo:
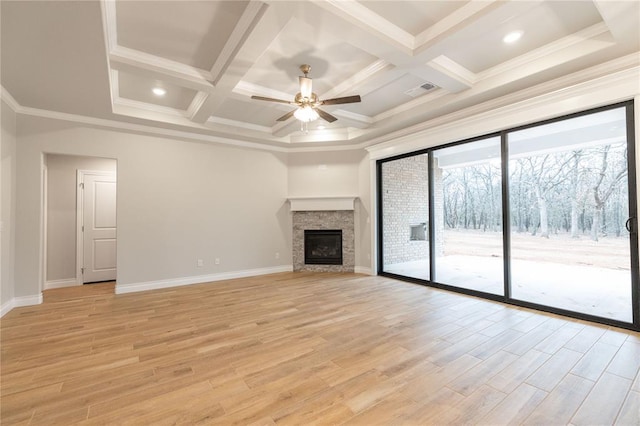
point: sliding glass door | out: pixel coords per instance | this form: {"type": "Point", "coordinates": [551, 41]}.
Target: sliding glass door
{"type": "Point", "coordinates": [405, 217]}
{"type": "Point", "coordinates": [541, 216]}
{"type": "Point", "coordinates": [468, 216]}
{"type": "Point", "coordinates": [569, 193]}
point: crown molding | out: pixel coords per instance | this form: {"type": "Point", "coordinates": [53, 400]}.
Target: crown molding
{"type": "Point", "coordinates": [9, 100]}
{"type": "Point", "coordinates": [145, 106]}
{"type": "Point", "coordinates": [512, 70]}
{"type": "Point", "coordinates": [411, 105]}
{"type": "Point", "coordinates": [545, 51]}
{"type": "Point", "coordinates": [239, 124]}
{"type": "Point", "coordinates": [619, 71]}
{"type": "Point", "coordinates": [520, 105]}
{"type": "Point", "coordinates": [119, 125]}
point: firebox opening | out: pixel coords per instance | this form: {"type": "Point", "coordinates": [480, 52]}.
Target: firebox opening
{"type": "Point", "coordinates": [323, 247]}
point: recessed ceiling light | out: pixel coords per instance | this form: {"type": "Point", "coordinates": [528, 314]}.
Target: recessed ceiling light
{"type": "Point", "coordinates": [512, 37]}
{"type": "Point", "coordinates": [320, 127]}
{"type": "Point", "coordinates": [159, 91]}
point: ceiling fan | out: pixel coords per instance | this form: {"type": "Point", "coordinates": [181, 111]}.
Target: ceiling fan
{"type": "Point", "coordinates": [308, 103]}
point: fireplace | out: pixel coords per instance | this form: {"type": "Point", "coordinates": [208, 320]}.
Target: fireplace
{"type": "Point", "coordinates": [324, 214]}
{"type": "Point", "coordinates": [323, 247]}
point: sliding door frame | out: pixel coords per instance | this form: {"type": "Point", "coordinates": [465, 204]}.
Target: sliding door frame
{"type": "Point", "coordinates": [506, 221]}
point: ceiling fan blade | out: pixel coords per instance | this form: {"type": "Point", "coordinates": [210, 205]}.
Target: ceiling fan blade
{"type": "Point", "coordinates": [345, 100]}
{"type": "Point", "coordinates": [305, 87]}
{"type": "Point", "coordinates": [325, 115]}
{"type": "Point", "coordinates": [262, 98]}
{"type": "Point", "coordinates": [286, 116]}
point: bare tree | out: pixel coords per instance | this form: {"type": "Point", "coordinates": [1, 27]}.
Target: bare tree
{"type": "Point", "coordinates": [602, 191]}
{"type": "Point", "coordinates": [547, 172]}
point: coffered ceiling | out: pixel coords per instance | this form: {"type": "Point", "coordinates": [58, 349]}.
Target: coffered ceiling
{"type": "Point", "coordinates": [102, 59]}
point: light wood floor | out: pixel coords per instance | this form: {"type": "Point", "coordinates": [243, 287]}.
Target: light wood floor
{"type": "Point", "coordinates": [303, 348]}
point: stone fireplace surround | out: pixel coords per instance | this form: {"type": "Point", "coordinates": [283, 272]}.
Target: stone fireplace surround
{"type": "Point", "coordinates": [323, 213]}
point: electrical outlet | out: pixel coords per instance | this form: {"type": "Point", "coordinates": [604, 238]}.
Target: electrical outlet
{"type": "Point", "coordinates": [217, 260]}
{"type": "Point", "coordinates": [277, 255]}
{"type": "Point", "coordinates": [200, 263]}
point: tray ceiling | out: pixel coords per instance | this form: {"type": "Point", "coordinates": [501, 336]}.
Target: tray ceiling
{"type": "Point", "coordinates": [103, 59]}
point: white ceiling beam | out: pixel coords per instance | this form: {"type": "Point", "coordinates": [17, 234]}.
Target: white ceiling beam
{"type": "Point", "coordinates": [584, 42]}
{"type": "Point", "coordinates": [108, 12]}
{"type": "Point", "coordinates": [371, 22]}
{"type": "Point", "coordinates": [452, 23]}
{"type": "Point", "coordinates": [617, 15]}
{"type": "Point", "coordinates": [460, 78]}
{"type": "Point", "coordinates": [196, 103]}
{"type": "Point", "coordinates": [353, 83]}
{"type": "Point", "coordinates": [567, 49]}
{"type": "Point", "coordinates": [125, 59]}
{"type": "Point", "coordinates": [246, 89]}
{"type": "Point", "coordinates": [241, 31]}
{"type": "Point", "coordinates": [108, 9]}
{"type": "Point", "coordinates": [265, 27]}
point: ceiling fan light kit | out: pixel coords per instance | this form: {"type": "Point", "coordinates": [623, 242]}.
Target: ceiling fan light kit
{"type": "Point", "coordinates": [308, 103]}
{"type": "Point", "coordinates": [306, 114]}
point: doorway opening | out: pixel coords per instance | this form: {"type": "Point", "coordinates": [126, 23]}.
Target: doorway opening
{"type": "Point", "coordinates": [80, 220]}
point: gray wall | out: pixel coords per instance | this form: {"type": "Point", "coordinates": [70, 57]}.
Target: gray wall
{"type": "Point", "coordinates": [332, 174]}
{"type": "Point", "coordinates": [61, 210]}
{"type": "Point", "coordinates": [178, 202]}
{"type": "Point", "coordinates": [327, 174]}
{"type": "Point", "coordinates": [8, 205]}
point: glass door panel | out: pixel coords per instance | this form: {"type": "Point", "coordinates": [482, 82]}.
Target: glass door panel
{"type": "Point", "coordinates": [405, 216]}
{"type": "Point", "coordinates": [468, 216]}
{"type": "Point", "coordinates": [569, 201]}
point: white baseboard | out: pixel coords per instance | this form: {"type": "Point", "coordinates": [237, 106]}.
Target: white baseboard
{"type": "Point", "coordinates": [27, 300]}
{"type": "Point", "coordinates": [71, 282]}
{"type": "Point", "coordinates": [362, 270]}
{"type": "Point", "coordinates": [19, 301]}
{"type": "Point", "coordinates": [6, 307]}
{"type": "Point", "coordinates": [175, 282]}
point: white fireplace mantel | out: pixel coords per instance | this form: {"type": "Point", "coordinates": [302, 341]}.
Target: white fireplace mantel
{"type": "Point", "coordinates": [322, 203]}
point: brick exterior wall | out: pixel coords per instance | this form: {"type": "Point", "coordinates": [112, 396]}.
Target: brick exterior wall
{"type": "Point", "coordinates": [405, 202]}
{"type": "Point", "coordinates": [336, 219]}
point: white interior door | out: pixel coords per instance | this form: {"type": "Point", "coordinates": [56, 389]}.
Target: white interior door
{"type": "Point", "coordinates": [99, 227]}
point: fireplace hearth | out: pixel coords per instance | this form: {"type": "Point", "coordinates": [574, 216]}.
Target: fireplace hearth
{"type": "Point", "coordinates": [323, 247]}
